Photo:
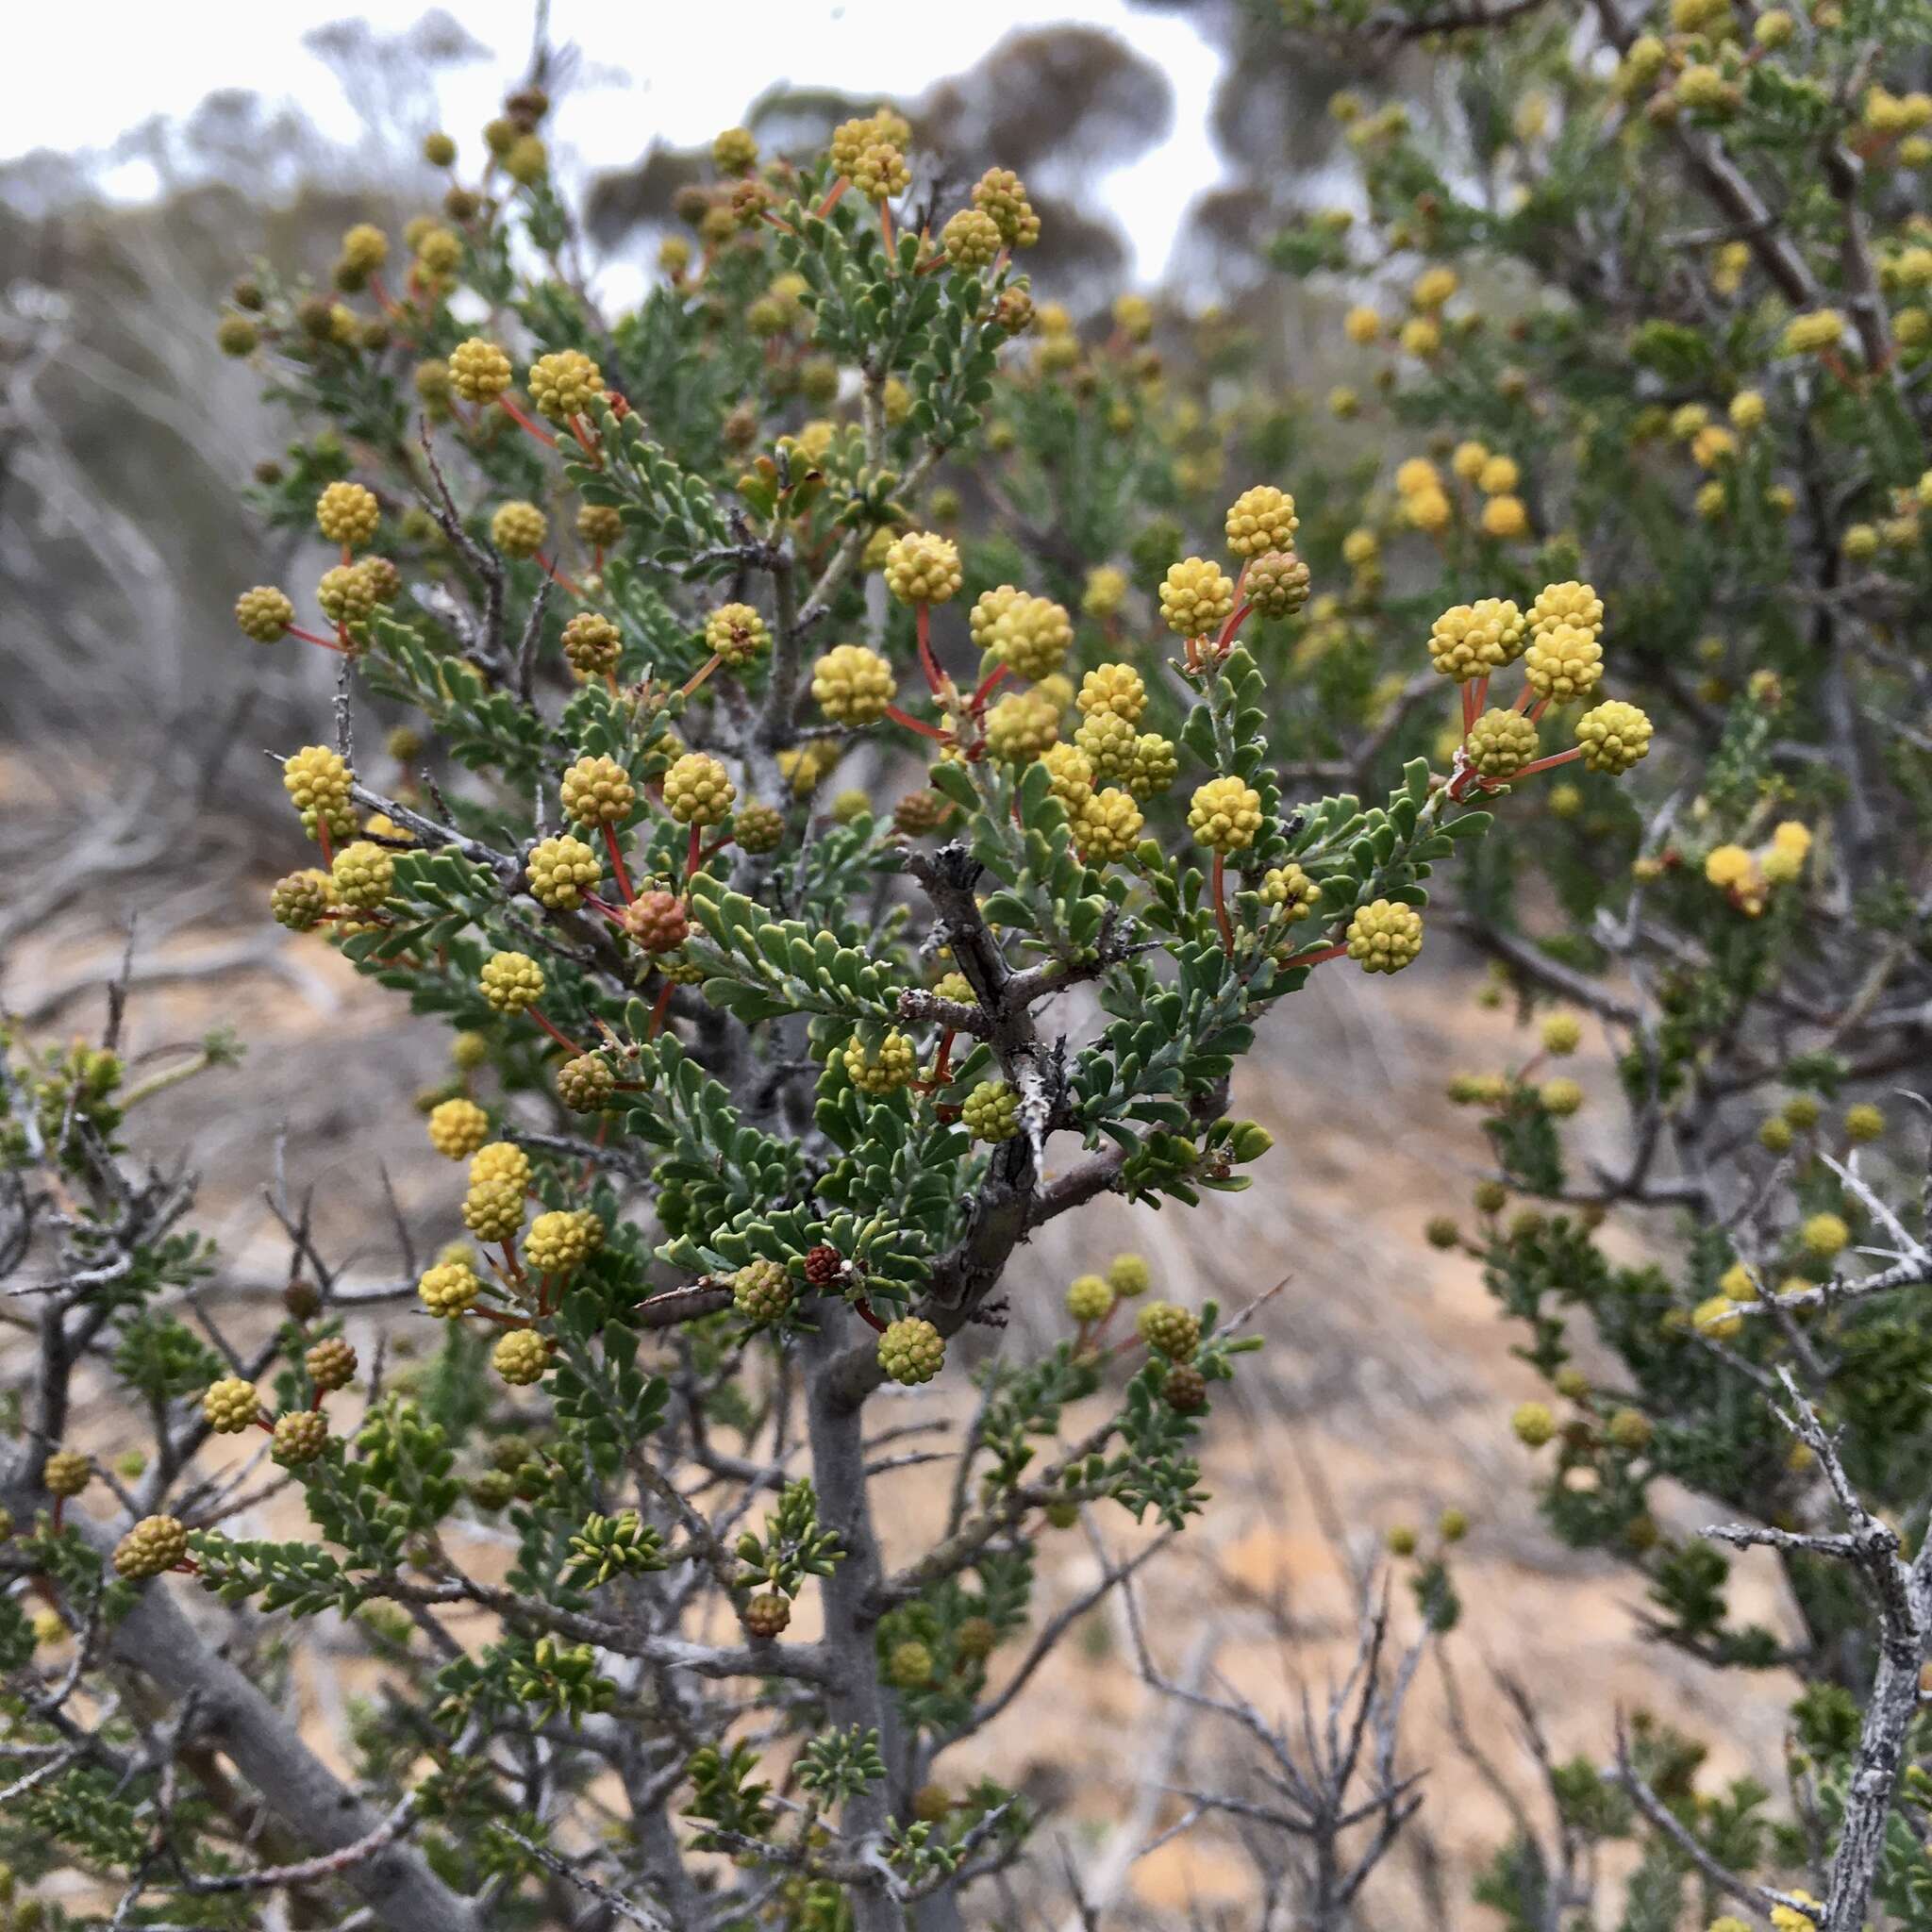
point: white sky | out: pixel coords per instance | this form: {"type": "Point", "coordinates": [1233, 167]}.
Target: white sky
{"type": "Point", "coordinates": [688, 68]}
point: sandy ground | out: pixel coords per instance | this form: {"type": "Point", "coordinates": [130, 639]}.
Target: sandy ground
{"type": "Point", "coordinates": [1383, 1397]}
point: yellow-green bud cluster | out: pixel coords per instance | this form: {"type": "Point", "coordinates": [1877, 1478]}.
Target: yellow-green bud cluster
{"type": "Point", "coordinates": [1564, 663]}
{"type": "Point", "coordinates": [698, 791]}
{"type": "Point", "coordinates": [565, 384]}
{"type": "Point", "coordinates": [1276, 583]}
{"type": "Point", "coordinates": [1383, 936]}
{"type": "Point", "coordinates": [299, 1438]}
{"type": "Point", "coordinates": [512, 981]}
{"type": "Point", "coordinates": [1291, 888]}
{"type": "Point", "coordinates": [230, 1405]}
{"type": "Point", "coordinates": [592, 644]}
{"type": "Point", "coordinates": [1472, 639]}
{"type": "Point", "coordinates": [1261, 518]}
{"type": "Point", "coordinates": [457, 1127]}
{"type": "Point", "coordinates": [852, 685]}
{"type": "Point", "coordinates": [448, 1289]}
{"type": "Point", "coordinates": [1088, 1298]}
{"type": "Point", "coordinates": [1028, 635]}
{"type": "Point", "coordinates": [1196, 597]}
{"type": "Point", "coordinates": [1614, 736]}
{"type": "Point", "coordinates": [561, 871]}
{"type": "Point", "coordinates": [480, 372]}
{"type": "Point", "coordinates": [562, 1240]}
{"type": "Point", "coordinates": [922, 568]}
{"type": "Point", "coordinates": [1107, 826]}
{"type": "Point", "coordinates": [521, 1357]}
{"type": "Point", "coordinates": [264, 613]}
{"type": "Point", "coordinates": [1500, 743]}
{"type": "Point", "coordinates": [911, 1350]}
{"type": "Point", "coordinates": [154, 1544]}
{"type": "Point", "coordinates": [890, 1066]}
{"type": "Point", "coordinates": [762, 1291]}
{"type": "Point", "coordinates": [347, 513]}
{"type": "Point", "coordinates": [1001, 195]}
{"type": "Point", "coordinates": [316, 779]}
{"type": "Point", "coordinates": [499, 1178]}
{"type": "Point", "coordinates": [1170, 1331]}
{"type": "Point", "coordinates": [586, 1083]}
{"type": "Point", "coordinates": [1225, 814]}
{"type": "Point", "coordinates": [363, 875]}
{"type": "Point", "coordinates": [992, 1111]}
{"type": "Point", "coordinates": [598, 791]}
{"type": "Point", "coordinates": [736, 633]}
{"type": "Point", "coordinates": [299, 899]}
{"type": "Point", "coordinates": [517, 529]}
{"type": "Point", "coordinates": [1021, 726]}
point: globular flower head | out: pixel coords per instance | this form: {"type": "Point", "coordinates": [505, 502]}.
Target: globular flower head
{"type": "Point", "coordinates": [586, 1083]}
{"type": "Point", "coordinates": [457, 1127]}
{"type": "Point", "coordinates": [565, 384]}
{"type": "Point", "coordinates": [1028, 635]}
{"type": "Point", "coordinates": [347, 513]}
{"type": "Point", "coordinates": [1500, 743]}
{"type": "Point", "coordinates": [1291, 888]}
{"type": "Point", "coordinates": [363, 875]}
{"type": "Point", "coordinates": [1561, 1033]}
{"type": "Point", "coordinates": [317, 780]}
{"type": "Point", "coordinates": [922, 568]}
{"type": "Point", "coordinates": [658, 921]}
{"type": "Point", "coordinates": [1020, 727]}
{"type": "Point", "coordinates": [154, 1544]}
{"type": "Point", "coordinates": [1563, 663]}
{"type": "Point", "coordinates": [883, 1070]}
{"type": "Point", "coordinates": [698, 791]}
{"type": "Point", "coordinates": [911, 1350]}
{"type": "Point", "coordinates": [1225, 814]}
{"type": "Point", "coordinates": [1000, 195]}
{"type": "Point", "coordinates": [561, 871]}
{"type": "Point", "coordinates": [1196, 597]}
{"type": "Point", "coordinates": [1106, 591]}
{"type": "Point", "coordinates": [1614, 736]}
{"type": "Point", "coordinates": [299, 899]}
{"type": "Point", "coordinates": [992, 1111]}
{"type": "Point", "coordinates": [1107, 826]}
{"type": "Point", "coordinates": [330, 1363]}
{"type": "Point", "coordinates": [1069, 775]}
{"type": "Point", "coordinates": [757, 828]}
{"type": "Point", "coordinates": [230, 1405]}
{"type": "Point", "coordinates": [880, 172]}
{"type": "Point", "coordinates": [971, 239]}
{"type": "Point", "coordinates": [521, 1357]}
{"type": "Point", "coordinates": [598, 791]}
{"type": "Point", "coordinates": [264, 613]}
{"type": "Point", "coordinates": [737, 633]}
{"type": "Point", "coordinates": [762, 1291]}
{"type": "Point", "coordinates": [735, 150]}
{"type": "Point", "coordinates": [1116, 689]}
{"type": "Point", "coordinates": [1472, 639]}
{"type": "Point", "coordinates": [562, 1240]}
{"type": "Point", "coordinates": [1276, 583]}
{"type": "Point", "coordinates": [766, 1615]}
{"type": "Point", "coordinates": [1823, 1236]}
{"type": "Point", "coordinates": [1570, 602]}
{"type": "Point", "coordinates": [1260, 520]}
{"type": "Point", "coordinates": [480, 372]}
{"type": "Point", "coordinates": [1151, 767]}
{"type": "Point", "coordinates": [1169, 1330]}
{"type": "Point", "coordinates": [512, 981]}
{"type": "Point", "coordinates": [1384, 937]}
{"type": "Point", "coordinates": [852, 685]}
{"type": "Point", "coordinates": [1812, 334]}
{"type": "Point", "coordinates": [299, 1438]}
{"type": "Point", "coordinates": [448, 1289]}
{"type": "Point", "coordinates": [518, 530]}
{"type": "Point", "coordinates": [66, 1474]}
{"type": "Point", "coordinates": [345, 594]}
{"type": "Point", "coordinates": [1533, 1425]}
{"type": "Point", "coordinates": [1088, 1298]}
